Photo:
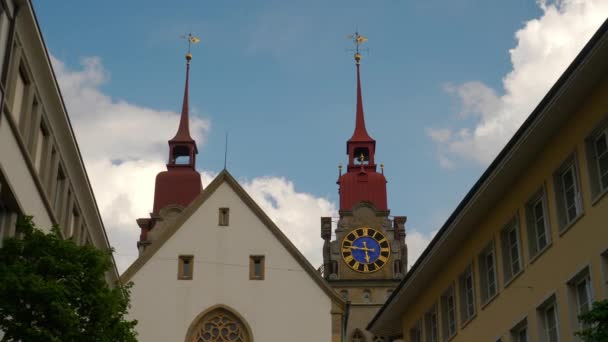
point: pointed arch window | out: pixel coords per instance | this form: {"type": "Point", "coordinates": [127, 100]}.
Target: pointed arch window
{"type": "Point", "coordinates": [219, 325]}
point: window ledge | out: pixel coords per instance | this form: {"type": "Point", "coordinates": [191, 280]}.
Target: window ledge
{"type": "Point", "coordinates": [599, 197]}
{"type": "Point", "coordinates": [465, 323]}
{"type": "Point", "coordinates": [515, 276]}
{"type": "Point", "coordinates": [539, 253]}
{"type": "Point", "coordinates": [489, 300]}
{"type": "Point", "coordinates": [572, 223]}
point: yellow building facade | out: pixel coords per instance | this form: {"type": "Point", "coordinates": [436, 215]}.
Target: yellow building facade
{"type": "Point", "coordinates": [526, 251]}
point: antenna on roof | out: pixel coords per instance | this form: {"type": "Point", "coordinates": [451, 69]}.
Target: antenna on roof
{"type": "Point", "coordinates": [226, 151]}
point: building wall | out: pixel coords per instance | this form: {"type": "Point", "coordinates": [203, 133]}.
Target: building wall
{"type": "Point", "coordinates": [41, 170]}
{"type": "Point", "coordinates": [571, 250]}
{"type": "Point", "coordinates": [288, 305]}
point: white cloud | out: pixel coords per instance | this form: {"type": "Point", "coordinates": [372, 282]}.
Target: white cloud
{"type": "Point", "coordinates": [416, 242]}
{"type": "Point", "coordinates": [545, 47]}
{"type": "Point", "coordinates": [297, 214]}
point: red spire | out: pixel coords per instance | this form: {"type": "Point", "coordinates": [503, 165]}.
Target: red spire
{"type": "Point", "coordinates": [183, 132]}
{"type": "Point", "coordinates": [360, 134]}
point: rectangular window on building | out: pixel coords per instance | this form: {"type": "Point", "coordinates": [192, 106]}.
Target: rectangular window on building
{"type": "Point", "coordinates": [466, 285]}
{"type": "Point", "coordinates": [519, 333]}
{"type": "Point", "coordinates": [511, 253]}
{"type": "Point", "coordinates": [256, 267]}
{"type": "Point", "coordinates": [597, 158]}
{"type": "Point", "coordinates": [224, 216]}
{"type": "Point", "coordinates": [567, 192]}
{"type": "Point", "coordinates": [40, 151]}
{"type": "Point", "coordinates": [185, 267]}
{"type": "Point", "coordinates": [9, 211]}
{"type": "Point", "coordinates": [448, 314]}
{"type": "Point", "coordinates": [539, 234]}
{"type": "Point", "coordinates": [4, 31]}
{"type": "Point", "coordinates": [60, 191]}
{"type": "Point", "coordinates": [416, 333]}
{"type": "Point", "coordinates": [487, 273]}
{"type": "Point", "coordinates": [580, 293]}
{"type": "Point", "coordinates": [548, 320]}
{"type": "Point", "coordinates": [18, 96]}
{"type": "Point", "coordinates": [431, 325]}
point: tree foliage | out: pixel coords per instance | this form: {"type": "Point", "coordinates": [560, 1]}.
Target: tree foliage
{"type": "Point", "coordinates": [54, 290]}
{"type": "Point", "coordinates": [595, 322]}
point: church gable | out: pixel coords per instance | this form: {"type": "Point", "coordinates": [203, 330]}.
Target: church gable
{"type": "Point", "coordinates": [222, 270]}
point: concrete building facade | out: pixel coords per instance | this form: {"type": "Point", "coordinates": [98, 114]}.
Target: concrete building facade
{"type": "Point", "coordinates": [41, 169]}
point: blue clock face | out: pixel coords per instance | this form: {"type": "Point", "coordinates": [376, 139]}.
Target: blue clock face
{"type": "Point", "coordinates": [365, 250]}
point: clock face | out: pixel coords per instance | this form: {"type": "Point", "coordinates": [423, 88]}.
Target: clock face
{"type": "Point", "coordinates": [365, 250]}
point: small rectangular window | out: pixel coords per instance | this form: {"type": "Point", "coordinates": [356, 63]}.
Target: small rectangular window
{"type": "Point", "coordinates": [539, 234]}
{"type": "Point", "coordinates": [580, 294]}
{"type": "Point", "coordinates": [466, 285]}
{"type": "Point", "coordinates": [519, 333]}
{"type": "Point", "coordinates": [597, 159]}
{"type": "Point", "coordinates": [487, 273]}
{"type": "Point", "coordinates": [60, 191]}
{"type": "Point", "coordinates": [185, 267]}
{"type": "Point", "coordinates": [567, 192]}
{"type": "Point", "coordinates": [416, 333]}
{"type": "Point", "coordinates": [431, 325]}
{"type": "Point", "coordinates": [224, 216]}
{"type": "Point", "coordinates": [9, 211]}
{"type": "Point", "coordinates": [511, 253]}
{"type": "Point", "coordinates": [548, 320]}
{"type": "Point", "coordinates": [448, 314]}
{"type": "Point", "coordinates": [256, 267]}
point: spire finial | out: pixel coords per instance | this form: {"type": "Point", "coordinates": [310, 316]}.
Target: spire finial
{"type": "Point", "coordinates": [183, 132]}
{"type": "Point", "coordinates": [357, 40]}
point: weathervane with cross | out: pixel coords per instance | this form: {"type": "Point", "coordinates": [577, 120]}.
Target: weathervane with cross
{"type": "Point", "coordinates": [357, 40]}
{"type": "Point", "coordinates": [191, 40]}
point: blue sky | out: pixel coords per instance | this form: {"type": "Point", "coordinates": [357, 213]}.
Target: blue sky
{"type": "Point", "coordinates": [277, 77]}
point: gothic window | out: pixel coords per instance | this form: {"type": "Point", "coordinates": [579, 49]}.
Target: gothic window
{"type": "Point", "coordinates": [358, 336]}
{"type": "Point", "coordinates": [219, 325]}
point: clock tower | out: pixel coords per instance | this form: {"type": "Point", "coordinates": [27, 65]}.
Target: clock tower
{"type": "Point", "coordinates": [366, 256]}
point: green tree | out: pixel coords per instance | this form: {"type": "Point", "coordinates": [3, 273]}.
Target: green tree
{"type": "Point", "coordinates": [596, 323]}
{"type": "Point", "coordinates": [54, 290]}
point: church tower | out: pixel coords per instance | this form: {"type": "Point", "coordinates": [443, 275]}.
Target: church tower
{"type": "Point", "coordinates": [366, 256]}
{"type": "Point", "coordinates": [180, 184]}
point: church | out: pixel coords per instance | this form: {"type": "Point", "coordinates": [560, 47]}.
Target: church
{"type": "Point", "coordinates": [213, 266]}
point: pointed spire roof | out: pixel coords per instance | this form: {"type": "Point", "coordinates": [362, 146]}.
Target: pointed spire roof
{"type": "Point", "coordinates": [183, 132]}
{"type": "Point", "coordinates": [360, 134]}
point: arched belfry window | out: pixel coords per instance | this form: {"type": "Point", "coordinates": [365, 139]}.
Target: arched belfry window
{"type": "Point", "coordinates": [357, 336]}
{"type": "Point", "coordinates": [361, 155]}
{"type": "Point", "coordinates": [181, 155]}
{"type": "Point", "coordinates": [219, 325]}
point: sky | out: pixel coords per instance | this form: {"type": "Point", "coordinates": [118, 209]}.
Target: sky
{"type": "Point", "coordinates": [445, 84]}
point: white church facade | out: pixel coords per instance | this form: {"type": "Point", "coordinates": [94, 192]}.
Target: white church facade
{"type": "Point", "coordinates": [223, 271]}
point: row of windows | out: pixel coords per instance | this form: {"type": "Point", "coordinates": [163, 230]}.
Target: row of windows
{"type": "Point", "coordinates": [33, 129]}
{"type": "Point", "coordinates": [569, 206]}
{"type": "Point", "coordinates": [185, 267]}
{"type": "Point", "coordinates": [579, 292]}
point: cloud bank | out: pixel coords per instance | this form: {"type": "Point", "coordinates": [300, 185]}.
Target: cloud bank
{"type": "Point", "coordinates": [545, 47]}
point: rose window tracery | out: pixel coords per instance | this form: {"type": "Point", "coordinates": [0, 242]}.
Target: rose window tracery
{"type": "Point", "coordinates": [220, 326]}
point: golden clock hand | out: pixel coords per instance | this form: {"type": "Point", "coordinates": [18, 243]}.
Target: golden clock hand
{"type": "Point", "coordinates": [366, 249]}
